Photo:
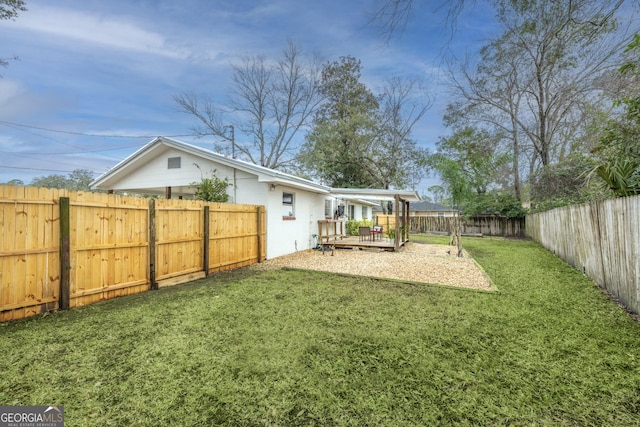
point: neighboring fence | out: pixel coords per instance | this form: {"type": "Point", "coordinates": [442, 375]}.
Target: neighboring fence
{"type": "Point", "coordinates": [485, 225]}
{"type": "Point", "coordinates": [61, 249]}
{"type": "Point", "coordinates": [601, 239]}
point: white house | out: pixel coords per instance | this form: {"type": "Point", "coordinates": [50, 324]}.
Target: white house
{"type": "Point", "coordinates": [293, 205]}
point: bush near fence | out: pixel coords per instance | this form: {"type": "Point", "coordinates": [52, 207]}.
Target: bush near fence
{"type": "Point", "coordinates": [485, 225]}
{"type": "Point", "coordinates": [62, 249]}
{"type": "Point", "coordinates": [600, 239]}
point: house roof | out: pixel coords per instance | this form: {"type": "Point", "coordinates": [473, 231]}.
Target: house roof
{"type": "Point", "coordinates": [428, 206]}
{"type": "Point", "coordinates": [109, 179]}
{"type": "Point", "coordinates": [131, 163]}
{"type": "Point", "coordinates": [375, 194]}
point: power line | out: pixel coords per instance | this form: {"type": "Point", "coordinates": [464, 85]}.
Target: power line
{"type": "Point", "coordinates": [63, 154]}
{"type": "Point", "coordinates": [46, 137]}
{"type": "Point", "coordinates": [87, 134]}
{"type": "Point", "coordinates": [45, 170]}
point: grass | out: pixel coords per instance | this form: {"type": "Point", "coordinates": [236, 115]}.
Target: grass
{"type": "Point", "coordinates": [297, 348]}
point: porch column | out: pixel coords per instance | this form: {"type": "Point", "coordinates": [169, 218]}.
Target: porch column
{"type": "Point", "coordinates": [397, 214]}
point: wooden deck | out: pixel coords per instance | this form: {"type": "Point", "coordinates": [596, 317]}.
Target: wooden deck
{"type": "Point", "coordinates": [350, 242]}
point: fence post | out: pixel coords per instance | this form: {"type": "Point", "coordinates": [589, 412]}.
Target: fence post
{"type": "Point", "coordinates": [152, 244]}
{"type": "Point", "coordinates": [65, 256]}
{"type": "Point", "coordinates": [206, 241]}
{"type": "Point", "coordinates": [259, 234]}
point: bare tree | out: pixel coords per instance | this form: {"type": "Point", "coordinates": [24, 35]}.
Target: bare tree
{"type": "Point", "coordinates": [269, 103]}
{"type": "Point", "coordinates": [403, 102]}
{"type": "Point", "coordinates": [392, 16]}
{"type": "Point", "coordinates": [540, 79]}
{"type": "Point", "coordinates": [564, 49]}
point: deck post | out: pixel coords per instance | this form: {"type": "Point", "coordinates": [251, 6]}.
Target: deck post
{"type": "Point", "coordinates": [397, 214]}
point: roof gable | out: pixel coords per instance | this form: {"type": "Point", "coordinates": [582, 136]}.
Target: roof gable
{"type": "Point", "coordinates": [161, 144]}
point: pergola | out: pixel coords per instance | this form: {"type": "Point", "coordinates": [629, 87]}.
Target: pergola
{"type": "Point", "coordinates": [401, 199]}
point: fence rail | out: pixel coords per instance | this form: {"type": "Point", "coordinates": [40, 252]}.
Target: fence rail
{"type": "Point", "coordinates": [600, 239]}
{"type": "Point", "coordinates": [62, 249]}
{"type": "Point", "coordinates": [485, 225]}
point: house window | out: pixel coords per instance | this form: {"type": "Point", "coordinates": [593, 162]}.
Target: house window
{"type": "Point", "coordinates": [440, 213]}
{"type": "Point", "coordinates": [173, 163]}
{"type": "Point", "coordinates": [327, 209]}
{"type": "Point", "coordinates": [365, 213]}
{"type": "Point", "coordinates": [352, 212]}
{"type": "Point", "coordinates": [288, 210]}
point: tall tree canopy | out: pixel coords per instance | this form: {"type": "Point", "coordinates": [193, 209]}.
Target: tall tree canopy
{"type": "Point", "coordinates": [358, 139]}
{"type": "Point", "coordinates": [543, 88]}
{"type": "Point", "coordinates": [538, 82]}
{"type": "Point", "coordinates": [344, 127]}
{"type": "Point", "coordinates": [78, 180]}
{"type": "Point", "coordinates": [476, 153]}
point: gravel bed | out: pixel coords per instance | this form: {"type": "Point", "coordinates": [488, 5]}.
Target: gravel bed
{"type": "Point", "coordinates": [415, 262]}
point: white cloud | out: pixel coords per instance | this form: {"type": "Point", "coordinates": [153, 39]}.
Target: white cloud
{"type": "Point", "coordinates": [16, 101]}
{"type": "Point", "coordinates": [112, 31]}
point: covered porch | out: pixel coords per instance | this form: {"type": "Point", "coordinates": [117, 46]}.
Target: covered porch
{"type": "Point", "coordinates": [395, 228]}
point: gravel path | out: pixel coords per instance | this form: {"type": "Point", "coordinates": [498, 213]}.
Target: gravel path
{"type": "Point", "coordinates": [415, 262]}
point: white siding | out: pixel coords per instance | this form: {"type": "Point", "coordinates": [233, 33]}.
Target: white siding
{"type": "Point", "coordinates": [285, 236]}
{"type": "Point", "coordinates": [155, 172]}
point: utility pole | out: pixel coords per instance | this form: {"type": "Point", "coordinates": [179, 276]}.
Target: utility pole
{"type": "Point", "coordinates": [233, 156]}
{"type": "Point", "coordinates": [233, 140]}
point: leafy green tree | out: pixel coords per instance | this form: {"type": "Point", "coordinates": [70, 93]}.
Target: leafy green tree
{"type": "Point", "coordinates": [9, 9]}
{"type": "Point", "coordinates": [476, 153]}
{"type": "Point", "coordinates": [360, 140]}
{"type": "Point", "coordinates": [80, 180]}
{"type": "Point", "coordinates": [343, 129]}
{"type": "Point", "coordinates": [16, 182]}
{"type": "Point", "coordinates": [438, 193]}
{"type": "Point", "coordinates": [495, 202]}
{"type": "Point", "coordinates": [77, 180]}
{"type": "Point", "coordinates": [459, 188]}
{"type": "Point", "coordinates": [563, 183]}
{"type": "Point", "coordinates": [212, 189]}
{"type": "Point", "coordinates": [618, 152]}
{"type": "Point", "coordinates": [51, 181]}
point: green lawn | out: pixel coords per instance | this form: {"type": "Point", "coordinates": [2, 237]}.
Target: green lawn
{"type": "Point", "coordinates": [296, 348]}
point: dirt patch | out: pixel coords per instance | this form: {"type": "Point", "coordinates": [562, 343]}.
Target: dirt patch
{"type": "Point", "coordinates": [415, 262]}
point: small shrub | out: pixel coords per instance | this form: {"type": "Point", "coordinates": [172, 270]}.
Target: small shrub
{"type": "Point", "coordinates": [212, 189]}
{"type": "Point", "coordinates": [353, 226]}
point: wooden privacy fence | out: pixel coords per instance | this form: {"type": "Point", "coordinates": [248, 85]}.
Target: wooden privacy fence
{"type": "Point", "coordinates": [600, 239]}
{"type": "Point", "coordinates": [485, 225]}
{"type": "Point", "coordinates": [61, 249]}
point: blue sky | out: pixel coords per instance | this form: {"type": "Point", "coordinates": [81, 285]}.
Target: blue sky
{"type": "Point", "coordinates": [103, 73]}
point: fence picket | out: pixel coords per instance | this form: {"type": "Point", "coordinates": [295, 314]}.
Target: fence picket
{"type": "Point", "coordinates": [113, 245]}
{"type": "Point", "coordinates": [599, 239]}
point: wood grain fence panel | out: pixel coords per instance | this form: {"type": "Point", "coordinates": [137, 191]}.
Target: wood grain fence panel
{"type": "Point", "coordinates": [235, 240]}
{"type": "Point", "coordinates": [599, 239]}
{"type": "Point", "coordinates": [179, 244]}
{"type": "Point", "coordinates": [485, 225]}
{"type": "Point", "coordinates": [29, 267]}
{"type": "Point", "coordinates": [109, 247]}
